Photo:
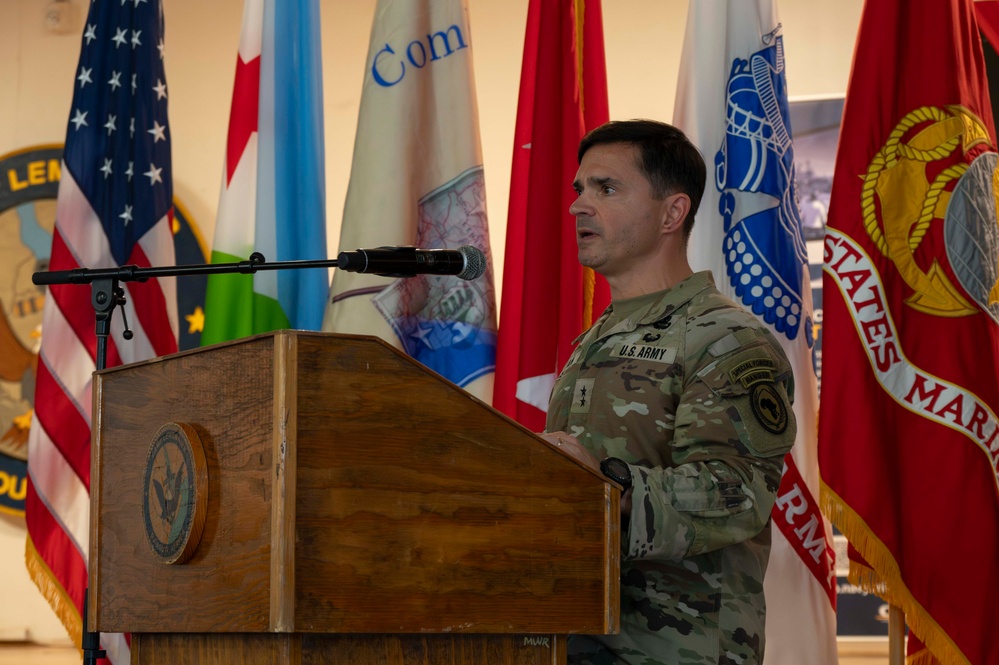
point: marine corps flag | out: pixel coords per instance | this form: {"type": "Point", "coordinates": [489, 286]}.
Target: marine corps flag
{"type": "Point", "coordinates": [417, 179]}
{"type": "Point", "coordinates": [909, 441]}
{"type": "Point", "coordinates": [732, 103]}
{"type": "Point", "coordinates": [548, 298]}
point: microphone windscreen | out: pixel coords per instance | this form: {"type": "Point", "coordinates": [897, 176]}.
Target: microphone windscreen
{"type": "Point", "coordinates": [475, 262]}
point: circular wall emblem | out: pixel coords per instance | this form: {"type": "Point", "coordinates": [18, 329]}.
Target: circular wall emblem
{"type": "Point", "coordinates": [175, 493]}
{"type": "Point", "coordinates": [769, 408]}
{"type": "Point", "coordinates": [29, 180]}
{"type": "Point", "coordinates": [29, 184]}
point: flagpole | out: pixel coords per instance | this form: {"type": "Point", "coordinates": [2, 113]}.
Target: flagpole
{"type": "Point", "coordinates": [896, 635]}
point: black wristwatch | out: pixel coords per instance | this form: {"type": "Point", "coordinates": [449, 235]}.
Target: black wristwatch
{"type": "Point", "coordinates": [618, 471]}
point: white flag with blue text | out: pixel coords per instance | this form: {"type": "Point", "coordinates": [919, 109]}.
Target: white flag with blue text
{"type": "Point", "coordinates": [732, 103]}
{"type": "Point", "coordinates": [417, 179]}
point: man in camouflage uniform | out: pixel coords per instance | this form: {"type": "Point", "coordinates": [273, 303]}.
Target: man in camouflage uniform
{"type": "Point", "coordinates": [681, 396]}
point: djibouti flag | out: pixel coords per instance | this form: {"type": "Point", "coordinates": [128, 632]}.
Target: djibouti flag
{"type": "Point", "coordinates": [273, 197]}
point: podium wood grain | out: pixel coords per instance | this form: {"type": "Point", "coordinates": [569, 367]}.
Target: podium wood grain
{"type": "Point", "coordinates": [313, 649]}
{"type": "Point", "coordinates": [351, 491]}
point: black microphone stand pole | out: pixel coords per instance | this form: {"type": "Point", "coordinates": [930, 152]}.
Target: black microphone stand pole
{"type": "Point", "coordinates": [106, 294]}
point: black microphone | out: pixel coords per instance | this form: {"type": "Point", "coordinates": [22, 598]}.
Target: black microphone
{"type": "Point", "coordinates": [466, 262]}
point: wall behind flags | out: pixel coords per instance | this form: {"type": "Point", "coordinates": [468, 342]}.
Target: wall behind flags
{"type": "Point", "coordinates": [643, 43]}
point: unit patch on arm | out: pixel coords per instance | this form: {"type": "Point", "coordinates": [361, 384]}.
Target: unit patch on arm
{"type": "Point", "coordinates": [769, 408]}
{"type": "Point", "coordinates": [751, 372]}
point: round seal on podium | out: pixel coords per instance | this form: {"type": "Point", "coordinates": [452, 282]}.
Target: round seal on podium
{"type": "Point", "coordinates": [175, 493]}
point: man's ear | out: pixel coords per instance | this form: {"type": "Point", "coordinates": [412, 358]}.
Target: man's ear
{"type": "Point", "coordinates": [674, 211]}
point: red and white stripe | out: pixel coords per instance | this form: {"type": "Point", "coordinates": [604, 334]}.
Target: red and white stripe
{"type": "Point", "coordinates": [58, 500]}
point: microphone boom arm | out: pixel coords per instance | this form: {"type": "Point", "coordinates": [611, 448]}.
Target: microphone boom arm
{"type": "Point", "coordinates": [132, 273]}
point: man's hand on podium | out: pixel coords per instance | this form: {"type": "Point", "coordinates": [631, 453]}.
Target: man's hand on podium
{"type": "Point", "coordinates": [571, 446]}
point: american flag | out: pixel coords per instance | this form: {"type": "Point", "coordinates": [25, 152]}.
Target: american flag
{"type": "Point", "coordinates": [114, 208]}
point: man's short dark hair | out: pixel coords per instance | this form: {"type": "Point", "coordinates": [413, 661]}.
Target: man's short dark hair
{"type": "Point", "coordinates": [668, 159]}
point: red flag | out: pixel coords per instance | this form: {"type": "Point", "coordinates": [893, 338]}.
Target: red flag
{"type": "Point", "coordinates": [114, 208]}
{"type": "Point", "coordinates": [548, 298]}
{"type": "Point", "coordinates": [909, 440]}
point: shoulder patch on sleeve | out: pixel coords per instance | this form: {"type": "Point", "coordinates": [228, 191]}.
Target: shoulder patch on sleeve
{"type": "Point", "coordinates": [733, 341]}
{"type": "Point", "coordinates": [737, 372]}
{"type": "Point", "coordinates": [754, 381]}
{"type": "Point", "coordinates": [769, 408]}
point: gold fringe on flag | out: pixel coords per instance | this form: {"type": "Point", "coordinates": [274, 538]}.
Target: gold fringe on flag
{"type": "Point", "coordinates": [884, 578]}
{"type": "Point", "coordinates": [589, 288]}
{"type": "Point", "coordinates": [589, 279]}
{"type": "Point", "coordinates": [921, 657]}
{"type": "Point", "coordinates": [54, 593]}
{"type": "Point", "coordinates": [868, 580]}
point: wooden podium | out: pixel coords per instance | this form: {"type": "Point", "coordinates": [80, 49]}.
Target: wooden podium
{"type": "Point", "coordinates": [352, 507]}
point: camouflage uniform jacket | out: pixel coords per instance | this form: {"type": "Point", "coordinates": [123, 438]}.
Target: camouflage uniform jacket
{"type": "Point", "coordinates": [692, 392]}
